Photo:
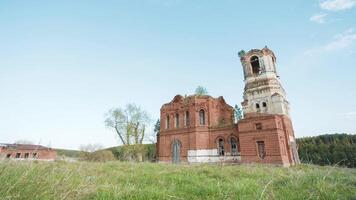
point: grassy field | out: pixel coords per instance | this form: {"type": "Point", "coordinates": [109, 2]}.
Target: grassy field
{"type": "Point", "coordinates": [118, 180]}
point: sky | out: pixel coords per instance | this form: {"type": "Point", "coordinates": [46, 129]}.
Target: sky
{"type": "Point", "coordinates": [64, 64]}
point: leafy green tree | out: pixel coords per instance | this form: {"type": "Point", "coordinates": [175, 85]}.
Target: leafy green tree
{"type": "Point", "coordinates": [237, 113]}
{"type": "Point", "coordinates": [200, 90]}
{"type": "Point", "coordinates": [333, 149]}
{"type": "Point", "coordinates": [157, 127]}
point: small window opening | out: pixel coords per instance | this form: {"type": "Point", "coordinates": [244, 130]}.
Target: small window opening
{"type": "Point", "coordinates": [221, 147]}
{"type": "Point", "coordinates": [255, 64]}
{"type": "Point", "coordinates": [261, 149]}
{"type": "Point", "coordinates": [264, 104]}
{"type": "Point", "coordinates": [18, 155]}
{"type": "Point", "coordinates": [257, 105]}
{"type": "Point", "coordinates": [167, 122]}
{"type": "Point", "coordinates": [177, 120]}
{"type": "Point", "coordinates": [187, 118]}
{"type": "Point", "coordinates": [258, 126]}
{"type": "Point", "coordinates": [202, 117]}
{"type": "Point", "coordinates": [34, 155]}
{"type": "Point", "coordinates": [8, 155]}
{"type": "Point", "coordinates": [26, 155]}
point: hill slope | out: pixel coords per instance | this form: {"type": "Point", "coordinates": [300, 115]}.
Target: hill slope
{"type": "Point", "coordinates": [68, 153]}
{"type": "Point", "coordinates": [117, 180]}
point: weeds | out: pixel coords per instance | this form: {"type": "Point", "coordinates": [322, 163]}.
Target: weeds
{"type": "Point", "coordinates": [124, 180]}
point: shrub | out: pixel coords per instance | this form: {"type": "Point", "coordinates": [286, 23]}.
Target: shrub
{"type": "Point", "coordinates": [98, 156]}
{"type": "Point", "coordinates": [140, 152]}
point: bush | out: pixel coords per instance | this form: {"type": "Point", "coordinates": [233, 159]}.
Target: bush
{"type": "Point", "coordinates": [139, 152]}
{"type": "Point", "coordinates": [97, 156]}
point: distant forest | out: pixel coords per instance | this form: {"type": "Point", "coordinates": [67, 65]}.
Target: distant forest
{"type": "Point", "coordinates": [333, 149]}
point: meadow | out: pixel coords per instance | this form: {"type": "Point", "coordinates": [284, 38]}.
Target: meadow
{"type": "Point", "coordinates": [126, 180]}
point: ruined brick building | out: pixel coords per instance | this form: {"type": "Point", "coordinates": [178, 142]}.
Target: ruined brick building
{"type": "Point", "coordinates": [200, 128]}
{"type": "Point", "coordinates": [27, 152]}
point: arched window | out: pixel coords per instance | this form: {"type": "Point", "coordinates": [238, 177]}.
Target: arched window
{"type": "Point", "coordinates": [167, 122]}
{"type": "Point", "coordinates": [177, 120]}
{"type": "Point", "coordinates": [202, 117]}
{"type": "Point", "coordinates": [186, 121]}
{"type": "Point", "coordinates": [233, 142]}
{"type": "Point", "coordinates": [264, 104]}
{"type": "Point", "coordinates": [221, 149]}
{"type": "Point", "coordinates": [255, 64]}
{"type": "Point", "coordinates": [257, 106]}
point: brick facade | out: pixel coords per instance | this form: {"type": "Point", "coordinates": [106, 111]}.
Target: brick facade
{"type": "Point", "coordinates": [202, 121]}
{"type": "Point", "coordinates": [200, 142]}
{"type": "Point", "coordinates": [275, 131]}
{"type": "Point", "coordinates": [200, 128]}
{"type": "Point", "coordinates": [27, 152]}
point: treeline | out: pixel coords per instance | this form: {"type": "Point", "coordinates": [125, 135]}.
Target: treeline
{"type": "Point", "coordinates": [329, 149]}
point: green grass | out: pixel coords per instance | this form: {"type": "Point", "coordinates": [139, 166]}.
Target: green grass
{"type": "Point", "coordinates": [122, 180]}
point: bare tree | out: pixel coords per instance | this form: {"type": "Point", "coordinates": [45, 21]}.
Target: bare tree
{"type": "Point", "coordinates": [90, 147]}
{"type": "Point", "coordinates": [129, 123]}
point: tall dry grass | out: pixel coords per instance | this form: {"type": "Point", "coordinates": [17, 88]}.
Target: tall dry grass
{"type": "Point", "coordinates": [124, 180]}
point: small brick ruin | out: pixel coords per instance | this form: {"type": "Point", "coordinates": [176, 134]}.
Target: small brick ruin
{"type": "Point", "coordinates": [200, 128]}
{"type": "Point", "coordinates": [27, 152]}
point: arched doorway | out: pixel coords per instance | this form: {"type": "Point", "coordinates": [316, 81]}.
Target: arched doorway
{"type": "Point", "coordinates": [176, 145]}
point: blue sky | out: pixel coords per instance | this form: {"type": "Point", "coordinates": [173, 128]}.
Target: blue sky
{"type": "Point", "coordinates": [63, 64]}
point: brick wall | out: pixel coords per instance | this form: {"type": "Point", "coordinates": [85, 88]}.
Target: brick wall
{"type": "Point", "coordinates": [49, 154]}
{"type": "Point", "coordinates": [273, 131]}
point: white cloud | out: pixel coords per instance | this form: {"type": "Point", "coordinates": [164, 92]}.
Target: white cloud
{"type": "Point", "coordinates": [318, 18]}
{"type": "Point", "coordinates": [336, 5]}
{"type": "Point", "coordinates": [340, 41]}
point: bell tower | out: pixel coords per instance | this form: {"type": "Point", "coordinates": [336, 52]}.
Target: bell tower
{"type": "Point", "coordinates": [266, 133]}
{"type": "Point", "coordinates": [263, 93]}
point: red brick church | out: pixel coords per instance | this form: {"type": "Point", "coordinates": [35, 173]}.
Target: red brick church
{"type": "Point", "coordinates": [201, 128]}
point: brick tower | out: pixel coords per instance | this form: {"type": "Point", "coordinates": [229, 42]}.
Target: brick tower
{"type": "Point", "coordinates": [266, 133]}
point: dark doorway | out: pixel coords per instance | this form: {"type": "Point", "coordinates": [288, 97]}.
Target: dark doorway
{"type": "Point", "coordinates": [261, 149]}
{"type": "Point", "coordinates": [221, 147]}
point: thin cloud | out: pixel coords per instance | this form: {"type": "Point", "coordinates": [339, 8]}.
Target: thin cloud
{"type": "Point", "coordinates": [337, 5]}
{"type": "Point", "coordinates": [318, 18]}
{"type": "Point", "coordinates": [340, 41]}
{"type": "Point", "coordinates": [348, 114]}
